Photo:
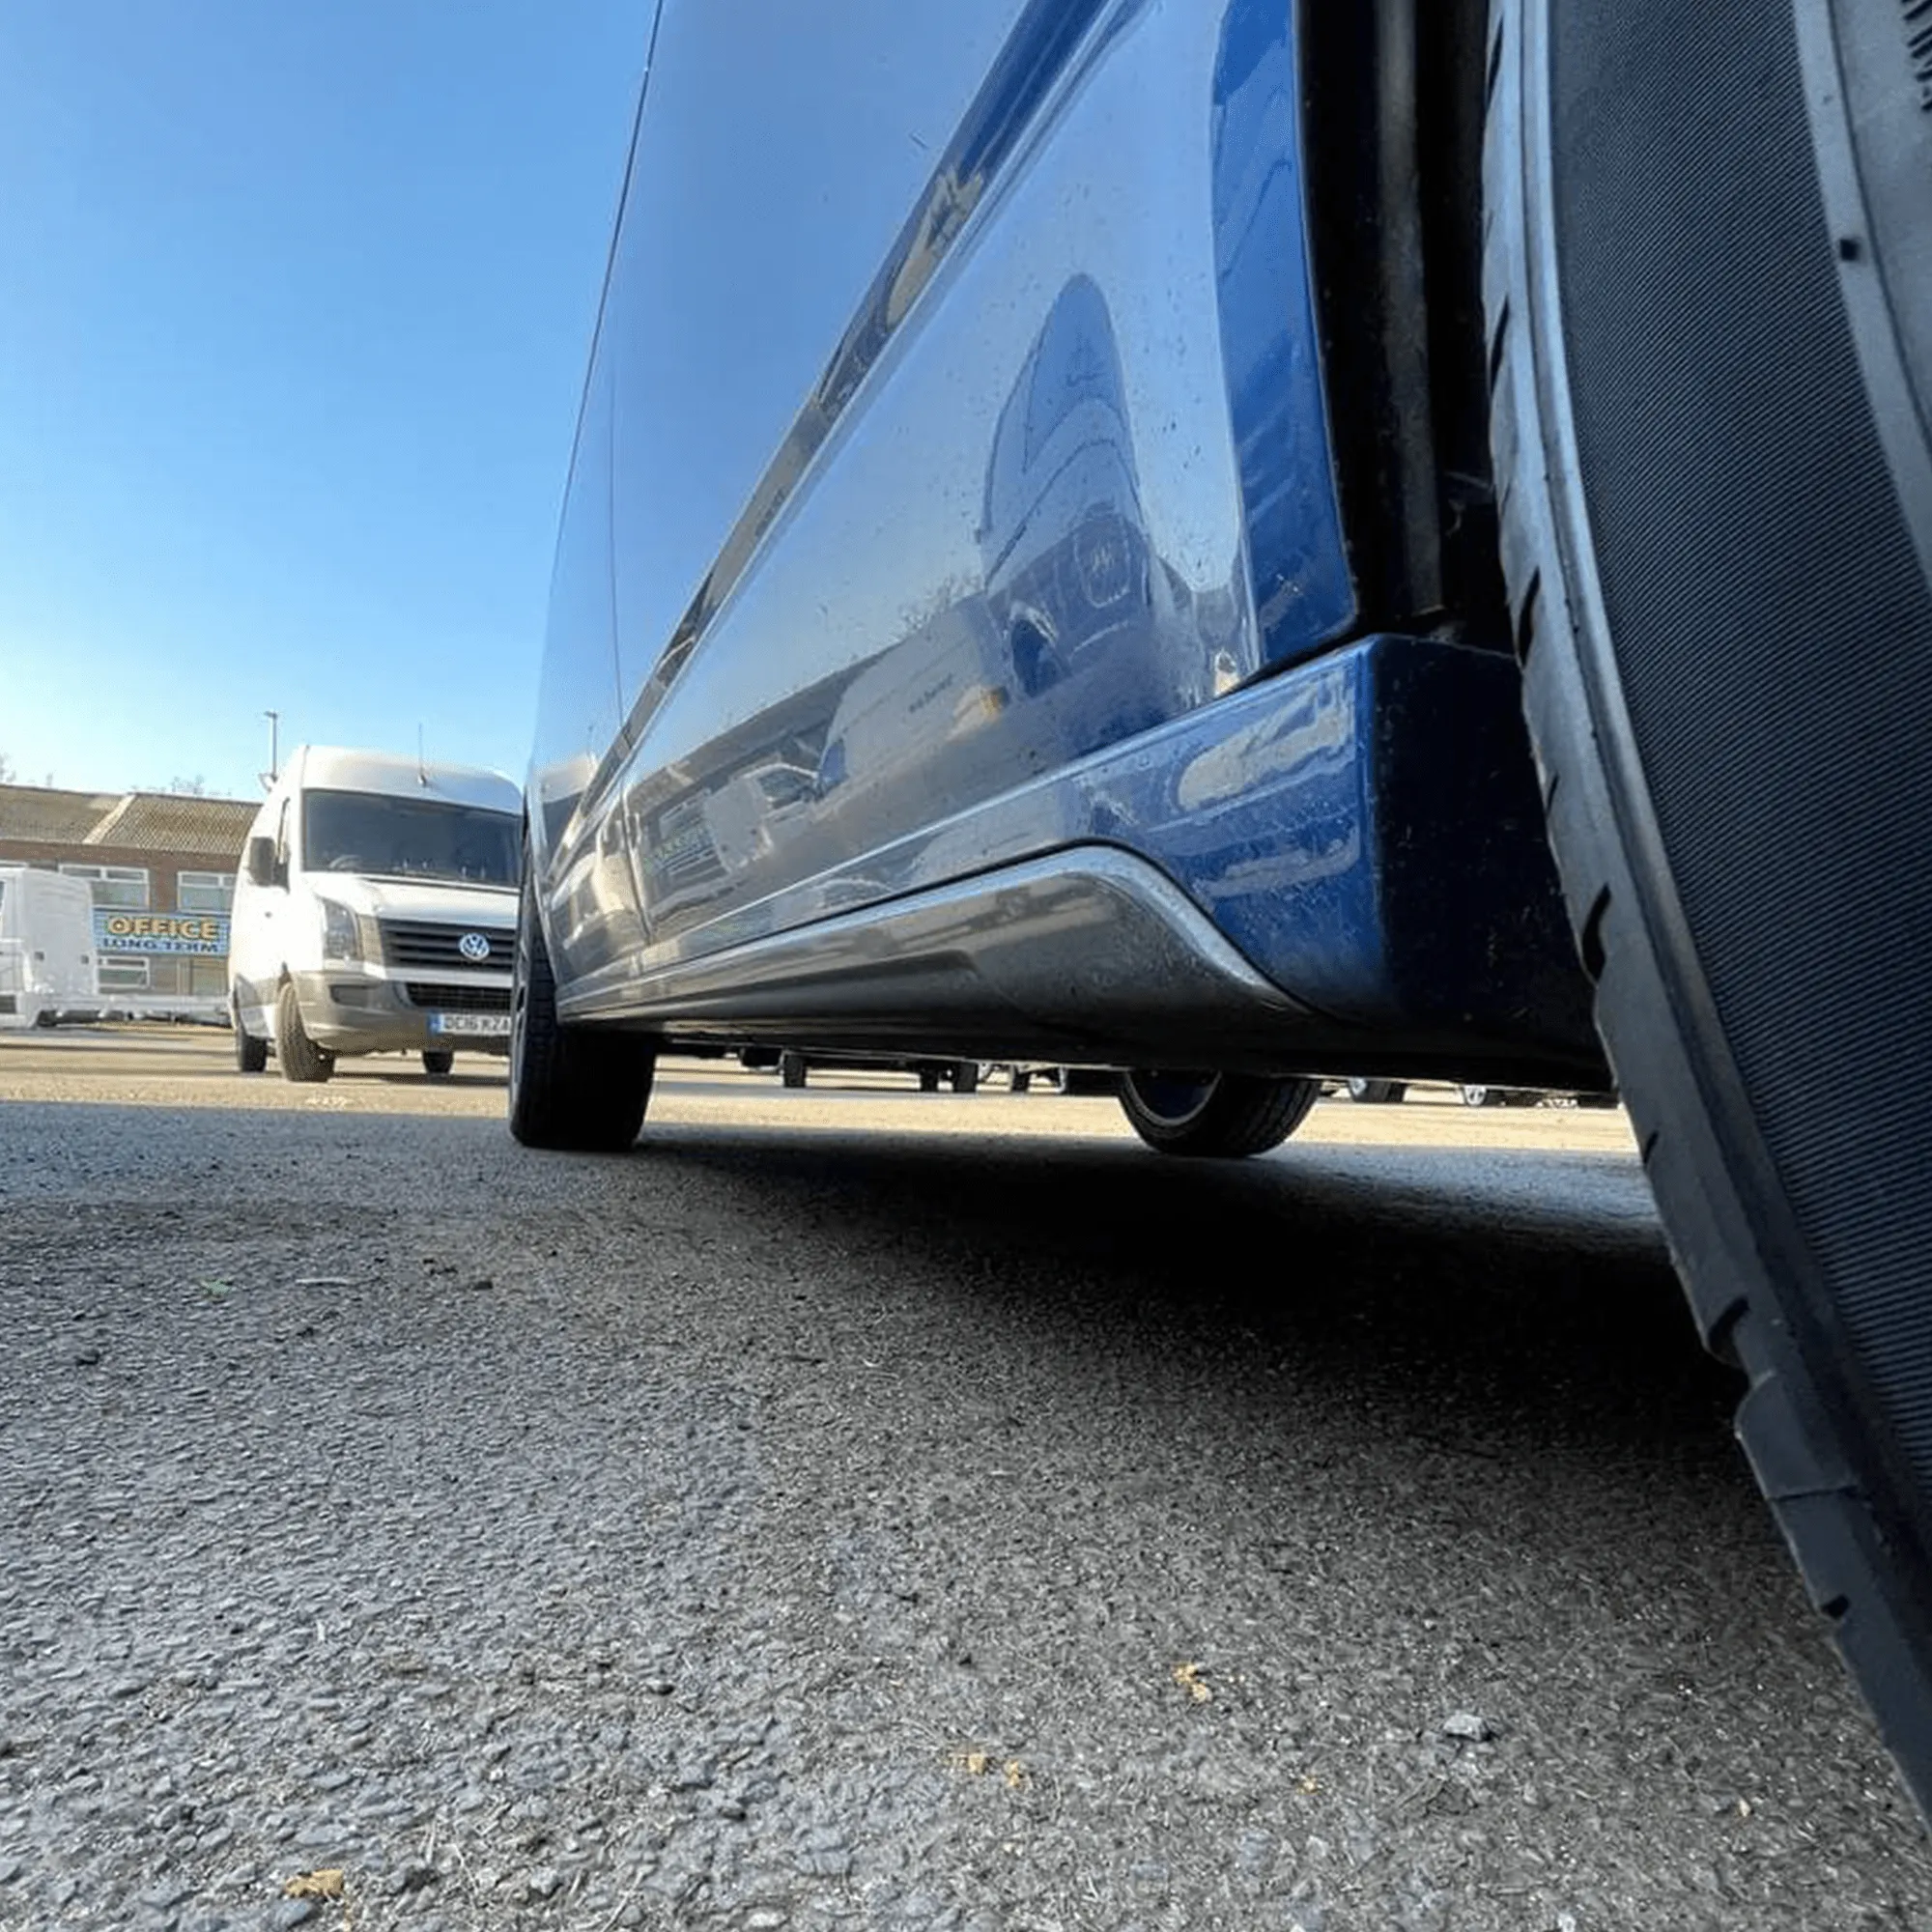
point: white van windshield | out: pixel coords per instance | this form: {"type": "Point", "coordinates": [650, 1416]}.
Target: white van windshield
{"type": "Point", "coordinates": [408, 838]}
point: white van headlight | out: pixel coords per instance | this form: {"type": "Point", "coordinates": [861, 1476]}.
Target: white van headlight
{"type": "Point", "coordinates": [340, 939]}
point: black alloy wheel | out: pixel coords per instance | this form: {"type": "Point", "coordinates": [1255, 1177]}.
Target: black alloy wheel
{"type": "Point", "coordinates": [1214, 1115]}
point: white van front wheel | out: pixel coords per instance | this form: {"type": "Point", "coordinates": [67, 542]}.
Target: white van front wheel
{"type": "Point", "coordinates": [299, 1056]}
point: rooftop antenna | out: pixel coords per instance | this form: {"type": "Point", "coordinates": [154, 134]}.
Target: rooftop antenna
{"type": "Point", "coordinates": [422, 770]}
{"type": "Point", "coordinates": [275, 770]}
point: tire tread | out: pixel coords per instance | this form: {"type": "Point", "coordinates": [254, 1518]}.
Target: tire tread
{"type": "Point", "coordinates": [1845, 1539]}
{"type": "Point", "coordinates": [572, 1090]}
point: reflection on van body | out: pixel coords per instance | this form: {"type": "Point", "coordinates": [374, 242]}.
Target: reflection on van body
{"type": "Point", "coordinates": [1070, 574]}
{"type": "Point", "coordinates": [1065, 644]}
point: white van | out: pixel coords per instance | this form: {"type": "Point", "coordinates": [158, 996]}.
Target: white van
{"type": "Point", "coordinates": [375, 912]}
{"type": "Point", "coordinates": [48, 967]}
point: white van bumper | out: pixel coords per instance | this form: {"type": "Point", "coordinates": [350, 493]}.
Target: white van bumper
{"type": "Point", "coordinates": [347, 1012]}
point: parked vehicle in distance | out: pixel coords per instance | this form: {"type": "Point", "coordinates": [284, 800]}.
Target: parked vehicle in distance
{"type": "Point", "coordinates": [1023, 1075]}
{"type": "Point", "coordinates": [1225, 428]}
{"type": "Point", "coordinates": [793, 1067]}
{"type": "Point", "coordinates": [50, 971]}
{"type": "Point", "coordinates": [375, 912]}
{"type": "Point", "coordinates": [1476, 1095]}
{"type": "Point", "coordinates": [1376, 1092]}
{"type": "Point", "coordinates": [1388, 1092]}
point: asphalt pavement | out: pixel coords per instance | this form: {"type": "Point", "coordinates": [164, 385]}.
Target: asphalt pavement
{"type": "Point", "coordinates": [875, 1509]}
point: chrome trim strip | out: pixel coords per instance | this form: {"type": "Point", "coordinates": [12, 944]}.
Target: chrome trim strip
{"type": "Point", "coordinates": [1039, 950]}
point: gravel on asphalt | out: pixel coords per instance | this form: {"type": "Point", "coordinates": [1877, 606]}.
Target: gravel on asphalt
{"type": "Point", "coordinates": [782, 1526]}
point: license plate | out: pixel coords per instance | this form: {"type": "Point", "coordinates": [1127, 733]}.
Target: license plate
{"type": "Point", "coordinates": [473, 1024]}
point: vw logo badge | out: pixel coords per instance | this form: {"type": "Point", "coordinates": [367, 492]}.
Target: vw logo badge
{"type": "Point", "coordinates": [474, 946]}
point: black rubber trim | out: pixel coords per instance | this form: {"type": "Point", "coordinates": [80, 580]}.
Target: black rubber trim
{"type": "Point", "coordinates": [1814, 1422]}
{"type": "Point", "coordinates": [1391, 111]}
{"type": "Point", "coordinates": [1365, 242]}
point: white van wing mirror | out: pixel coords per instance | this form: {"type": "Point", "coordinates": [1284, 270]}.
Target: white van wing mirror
{"type": "Point", "coordinates": [259, 861]}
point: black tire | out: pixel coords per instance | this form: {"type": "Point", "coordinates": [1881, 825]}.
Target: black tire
{"type": "Point", "coordinates": [1376, 1092]}
{"type": "Point", "coordinates": [1717, 534]}
{"type": "Point", "coordinates": [251, 1054]}
{"type": "Point", "coordinates": [296, 1054]}
{"type": "Point", "coordinates": [1021, 1079]}
{"type": "Point", "coordinates": [929, 1079]}
{"type": "Point", "coordinates": [581, 1090]}
{"type": "Point", "coordinates": [1216, 1115]}
{"type": "Point", "coordinates": [965, 1076]}
{"type": "Point", "coordinates": [438, 1062]}
{"type": "Point", "coordinates": [1480, 1096]}
{"type": "Point", "coordinates": [792, 1068]}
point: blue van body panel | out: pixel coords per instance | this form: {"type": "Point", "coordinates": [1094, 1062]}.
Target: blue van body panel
{"type": "Point", "coordinates": [1051, 551]}
{"type": "Point", "coordinates": [1359, 829]}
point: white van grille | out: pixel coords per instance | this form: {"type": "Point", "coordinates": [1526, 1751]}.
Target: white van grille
{"type": "Point", "coordinates": [413, 942]}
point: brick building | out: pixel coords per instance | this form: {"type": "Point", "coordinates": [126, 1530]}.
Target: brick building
{"type": "Point", "coordinates": [161, 866]}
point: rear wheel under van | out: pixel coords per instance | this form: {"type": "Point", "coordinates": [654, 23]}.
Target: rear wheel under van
{"type": "Point", "coordinates": [1223, 1116]}
{"type": "Point", "coordinates": [582, 1089]}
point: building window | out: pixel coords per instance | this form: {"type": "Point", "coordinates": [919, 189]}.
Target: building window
{"type": "Point", "coordinates": [204, 892]}
{"type": "Point", "coordinates": [122, 886]}
{"type": "Point", "coordinates": [124, 973]}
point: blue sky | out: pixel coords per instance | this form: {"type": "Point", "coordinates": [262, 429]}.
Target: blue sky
{"type": "Point", "coordinates": [295, 305]}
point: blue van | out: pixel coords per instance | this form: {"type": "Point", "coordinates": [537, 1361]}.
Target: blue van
{"type": "Point", "coordinates": [1233, 542]}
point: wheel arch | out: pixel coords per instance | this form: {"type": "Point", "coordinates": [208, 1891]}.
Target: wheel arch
{"type": "Point", "coordinates": [1392, 106]}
